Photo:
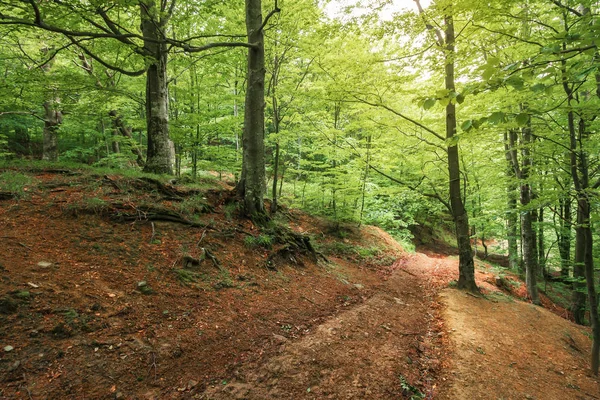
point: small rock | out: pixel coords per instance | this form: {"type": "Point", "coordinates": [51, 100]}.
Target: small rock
{"type": "Point", "coordinates": [8, 348]}
{"type": "Point", "coordinates": [143, 287]}
{"type": "Point", "coordinates": [280, 339]}
{"type": "Point", "coordinates": [34, 333]}
{"type": "Point", "coordinates": [191, 384]}
{"type": "Point", "coordinates": [44, 264]}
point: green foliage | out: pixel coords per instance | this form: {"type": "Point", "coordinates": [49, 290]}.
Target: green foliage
{"type": "Point", "coordinates": [15, 183]}
{"type": "Point", "coordinates": [409, 390]}
{"type": "Point", "coordinates": [262, 240]}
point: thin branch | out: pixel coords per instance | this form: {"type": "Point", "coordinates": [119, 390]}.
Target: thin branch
{"type": "Point", "coordinates": [22, 113]}
{"type": "Point", "coordinates": [274, 11]}
{"type": "Point", "coordinates": [420, 125]}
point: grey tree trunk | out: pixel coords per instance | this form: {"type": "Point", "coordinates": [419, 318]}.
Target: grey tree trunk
{"type": "Point", "coordinates": [252, 186]}
{"type": "Point", "coordinates": [528, 217]}
{"type": "Point", "coordinates": [52, 121]}
{"type": "Point", "coordinates": [583, 232]}
{"type": "Point", "coordinates": [157, 100]}
{"type": "Point", "coordinates": [512, 212]}
{"type": "Point", "coordinates": [564, 234]}
{"type": "Point", "coordinates": [466, 266]}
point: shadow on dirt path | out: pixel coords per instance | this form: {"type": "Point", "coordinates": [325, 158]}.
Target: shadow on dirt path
{"type": "Point", "coordinates": [368, 352]}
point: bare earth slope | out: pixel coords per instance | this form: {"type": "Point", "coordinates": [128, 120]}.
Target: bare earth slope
{"type": "Point", "coordinates": [514, 350]}
{"type": "Point", "coordinates": [75, 322]}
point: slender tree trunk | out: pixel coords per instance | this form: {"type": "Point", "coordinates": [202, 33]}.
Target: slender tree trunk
{"type": "Point", "coordinates": [564, 235]}
{"type": "Point", "coordinates": [252, 183]}
{"type": "Point", "coordinates": [512, 212]}
{"type": "Point", "coordinates": [528, 217]}
{"type": "Point", "coordinates": [541, 242]}
{"type": "Point", "coordinates": [52, 121]}
{"type": "Point", "coordinates": [276, 120]}
{"type": "Point", "coordinates": [157, 99]}
{"type": "Point", "coordinates": [466, 266]}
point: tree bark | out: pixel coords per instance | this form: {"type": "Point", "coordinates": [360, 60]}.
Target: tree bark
{"type": "Point", "coordinates": [512, 212]}
{"type": "Point", "coordinates": [564, 234]}
{"type": "Point", "coordinates": [252, 186]}
{"type": "Point", "coordinates": [157, 100]}
{"type": "Point", "coordinates": [52, 121]}
{"type": "Point", "coordinates": [528, 217]}
{"type": "Point", "coordinates": [466, 266]}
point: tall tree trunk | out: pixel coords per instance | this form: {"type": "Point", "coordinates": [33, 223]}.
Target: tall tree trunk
{"type": "Point", "coordinates": [157, 100]}
{"type": "Point", "coordinates": [52, 121]}
{"type": "Point", "coordinates": [583, 231]}
{"type": "Point", "coordinates": [512, 212]}
{"type": "Point", "coordinates": [528, 217]}
{"type": "Point", "coordinates": [252, 183]}
{"type": "Point", "coordinates": [466, 266]}
{"type": "Point", "coordinates": [541, 242]}
{"type": "Point", "coordinates": [564, 234]}
{"type": "Point", "coordinates": [276, 121]}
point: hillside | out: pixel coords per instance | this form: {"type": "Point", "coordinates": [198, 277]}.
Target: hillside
{"type": "Point", "coordinates": [131, 287]}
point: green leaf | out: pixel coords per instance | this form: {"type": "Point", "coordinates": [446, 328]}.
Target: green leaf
{"type": "Point", "coordinates": [538, 87]}
{"type": "Point", "coordinates": [488, 72]}
{"type": "Point", "coordinates": [428, 103]}
{"type": "Point", "coordinates": [442, 93]}
{"type": "Point", "coordinates": [496, 117]}
{"type": "Point", "coordinates": [453, 141]}
{"type": "Point", "coordinates": [467, 125]}
{"type": "Point", "coordinates": [460, 98]}
{"type": "Point", "coordinates": [522, 119]}
{"type": "Point", "coordinates": [550, 49]}
{"type": "Point", "coordinates": [445, 101]}
{"type": "Point", "coordinates": [516, 82]}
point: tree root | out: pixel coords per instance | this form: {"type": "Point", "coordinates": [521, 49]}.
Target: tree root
{"type": "Point", "coordinates": [151, 213]}
{"type": "Point", "coordinates": [169, 191]}
{"type": "Point", "coordinates": [293, 246]}
{"type": "Point", "coordinates": [7, 195]}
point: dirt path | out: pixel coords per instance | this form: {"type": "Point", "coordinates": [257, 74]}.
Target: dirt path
{"type": "Point", "coordinates": [366, 352]}
{"type": "Point", "coordinates": [486, 348]}
{"type": "Point", "coordinates": [506, 349]}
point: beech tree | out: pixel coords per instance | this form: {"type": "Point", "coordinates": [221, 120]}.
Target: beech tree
{"type": "Point", "coordinates": [145, 45]}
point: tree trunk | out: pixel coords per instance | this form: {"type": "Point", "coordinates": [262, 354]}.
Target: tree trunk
{"type": "Point", "coordinates": [564, 235]}
{"type": "Point", "coordinates": [541, 245]}
{"type": "Point", "coordinates": [512, 212]}
{"type": "Point", "coordinates": [528, 217]}
{"type": "Point", "coordinates": [157, 100]}
{"type": "Point", "coordinates": [466, 266]}
{"type": "Point", "coordinates": [252, 183]}
{"type": "Point", "coordinates": [275, 179]}
{"type": "Point", "coordinates": [52, 121]}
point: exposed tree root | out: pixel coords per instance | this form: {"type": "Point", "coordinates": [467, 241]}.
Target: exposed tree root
{"type": "Point", "coordinates": [292, 247]}
{"type": "Point", "coordinates": [7, 195]}
{"type": "Point", "coordinates": [169, 191]}
{"type": "Point", "coordinates": [122, 213]}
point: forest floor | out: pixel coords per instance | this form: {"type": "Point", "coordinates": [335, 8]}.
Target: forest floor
{"type": "Point", "coordinates": [101, 298]}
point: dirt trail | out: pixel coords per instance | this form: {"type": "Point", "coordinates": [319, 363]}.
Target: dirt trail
{"type": "Point", "coordinates": [506, 349]}
{"type": "Point", "coordinates": [489, 347]}
{"type": "Point", "coordinates": [363, 353]}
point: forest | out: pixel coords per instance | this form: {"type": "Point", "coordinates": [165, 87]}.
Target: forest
{"type": "Point", "coordinates": [467, 116]}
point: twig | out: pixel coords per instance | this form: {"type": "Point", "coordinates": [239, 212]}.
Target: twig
{"type": "Point", "coordinates": [153, 233]}
{"type": "Point", "coordinates": [307, 299]}
{"type": "Point", "coordinates": [201, 238]}
{"type": "Point", "coordinates": [153, 365]}
{"type": "Point", "coordinates": [24, 245]}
